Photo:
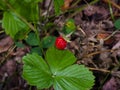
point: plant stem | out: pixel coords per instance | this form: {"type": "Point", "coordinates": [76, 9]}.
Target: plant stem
{"type": "Point", "coordinates": [1, 31]}
{"type": "Point", "coordinates": [111, 10]}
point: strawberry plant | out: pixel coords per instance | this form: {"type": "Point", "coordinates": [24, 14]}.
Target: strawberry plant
{"type": "Point", "coordinates": [47, 65]}
{"type": "Point", "coordinates": [57, 70]}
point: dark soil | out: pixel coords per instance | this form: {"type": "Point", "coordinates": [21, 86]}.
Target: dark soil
{"type": "Point", "coordinates": [94, 24]}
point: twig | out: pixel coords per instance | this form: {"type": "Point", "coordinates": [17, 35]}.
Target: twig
{"type": "Point", "coordinates": [80, 29]}
{"type": "Point", "coordinates": [98, 52]}
{"type": "Point", "coordinates": [7, 55]}
{"type": "Point", "coordinates": [114, 4]}
{"type": "Point", "coordinates": [1, 31]}
{"type": "Point", "coordinates": [74, 4]}
{"type": "Point", "coordinates": [103, 81]}
{"type": "Point", "coordinates": [48, 8]}
{"type": "Point", "coordinates": [111, 35]}
{"type": "Point", "coordinates": [101, 70]}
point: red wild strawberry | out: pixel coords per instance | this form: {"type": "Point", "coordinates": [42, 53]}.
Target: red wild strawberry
{"type": "Point", "coordinates": [60, 43]}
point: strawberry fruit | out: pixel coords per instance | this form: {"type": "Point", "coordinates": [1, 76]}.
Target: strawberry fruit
{"type": "Point", "coordinates": [60, 43]}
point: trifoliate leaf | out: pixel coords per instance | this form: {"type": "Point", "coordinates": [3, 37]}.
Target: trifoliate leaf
{"type": "Point", "coordinates": [57, 71]}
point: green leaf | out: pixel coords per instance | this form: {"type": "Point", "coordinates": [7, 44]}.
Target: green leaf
{"type": "Point", "coordinates": [57, 71]}
{"type": "Point", "coordinates": [49, 25]}
{"type": "Point", "coordinates": [59, 59]}
{"type": "Point", "coordinates": [70, 24]}
{"type": "Point", "coordinates": [12, 24]}
{"type": "Point", "coordinates": [57, 6]}
{"type": "Point", "coordinates": [32, 39]}
{"type": "Point", "coordinates": [28, 10]}
{"type": "Point", "coordinates": [33, 1]}
{"type": "Point", "coordinates": [69, 27]}
{"type": "Point", "coordinates": [20, 35]}
{"type": "Point", "coordinates": [36, 71]}
{"type": "Point", "coordinates": [2, 5]}
{"type": "Point", "coordinates": [12, 1]}
{"type": "Point", "coordinates": [117, 23]}
{"type": "Point", "coordinates": [48, 41]}
{"type": "Point", "coordinates": [36, 50]}
{"type": "Point", "coordinates": [19, 44]}
{"type": "Point", "coordinates": [75, 77]}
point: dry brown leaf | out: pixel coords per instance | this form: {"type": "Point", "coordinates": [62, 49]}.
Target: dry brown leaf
{"type": "Point", "coordinates": [5, 44]}
{"type": "Point", "coordinates": [117, 45]}
{"type": "Point", "coordinates": [104, 36]}
{"type": "Point", "coordinates": [96, 11]}
{"type": "Point", "coordinates": [11, 67]}
{"type": "Point", "coordinates": [66, 5]}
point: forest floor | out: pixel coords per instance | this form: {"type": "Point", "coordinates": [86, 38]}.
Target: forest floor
{"type": "Point", "coordinates": [95, 43]}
